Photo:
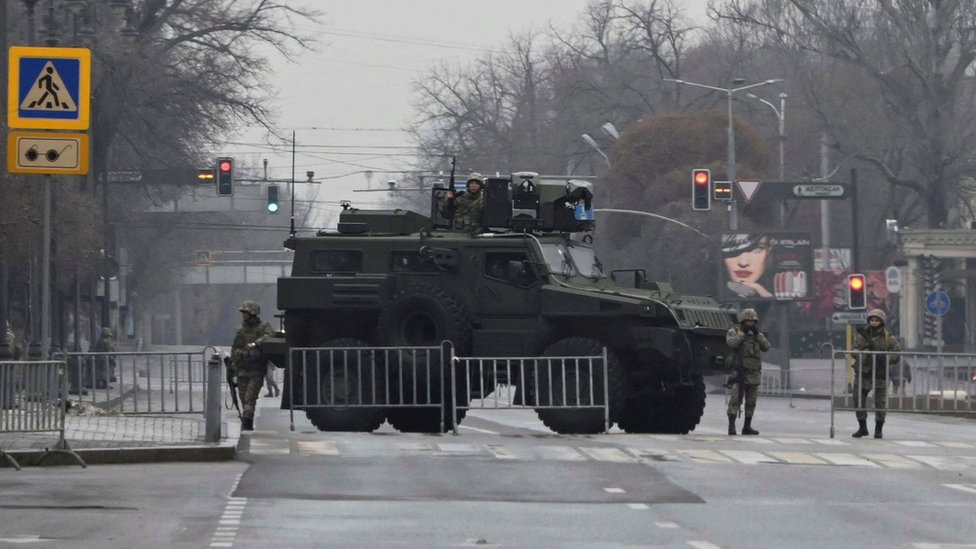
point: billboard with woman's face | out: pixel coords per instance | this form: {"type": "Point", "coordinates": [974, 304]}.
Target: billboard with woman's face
{"type": "Point", "coordinates": [766, 266]}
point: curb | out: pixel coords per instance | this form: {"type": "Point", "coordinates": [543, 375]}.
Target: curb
{"type": "Point", "coordinates": [223, 451]}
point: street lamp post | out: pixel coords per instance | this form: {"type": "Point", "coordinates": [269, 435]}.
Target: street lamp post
{"type": "Point", "coordinates": [733, 213]}
{"type": "Point", "coordinates": [781, 118]}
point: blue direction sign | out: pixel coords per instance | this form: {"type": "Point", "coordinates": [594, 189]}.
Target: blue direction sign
{"type": "Point", "coordinates": [938, 303]}
{"type": "Point", "coordinates": [49, 88]}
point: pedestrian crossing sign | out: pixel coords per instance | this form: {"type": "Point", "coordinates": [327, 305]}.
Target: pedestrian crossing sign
{"type": "Point", "coordinates": [49, 88]}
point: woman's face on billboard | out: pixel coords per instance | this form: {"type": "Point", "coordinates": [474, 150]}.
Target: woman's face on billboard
{"type": "Point", "coordinates": [749, 266]}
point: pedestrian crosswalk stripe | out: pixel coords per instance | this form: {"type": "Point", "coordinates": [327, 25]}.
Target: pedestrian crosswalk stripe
{"type": "Point", "coordinates": [500, 452]}
{"type": "Point", "coordinates": [797, 458]}
{"type": "Point", "coordinates": [558, 453]}
{"type": "Point", "coordinates": [955, 444]}
{"type": "Point", "coordinates": [414, 446]}
{"type": "Point", "coordinates": [830, 442]}
{"type": "Point", "coordinates": [937, 462]}
{"type": "Point", "coordinates": [652, 455]}
{"type": "Point", "coordinates": [971, 488]}
{"type": "Point", "coordinates": [749, 458]}
{"type": "Point", "coordinates": [608, 454]}
{"type": "Point", "coordinates": [317, 448]}
{"type": "Point", "coordinates": [893, 461]}
{"type": "Point", "coordinates": [269, 446]}
{"type": "Point", "coordinates": [759, 440]}
{"type": "Point", "coordinates": [793, 440]}
{"type": "Point", "coordinates": [459, 448]}
{"type": "Point", "coordinates": [704, 456]}
{"type": "Point", "coordinates": [915, 443]}
{"type": "Point", "coordinates": [847, 459]}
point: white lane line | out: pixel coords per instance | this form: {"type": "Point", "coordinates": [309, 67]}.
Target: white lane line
{"type": "Point", "coordinates": [608, 454]}
{"type": "Point", "coordinates": [221, 544]}
{"type": "Point", "coordinates": [477, 430]}
{"type": "Point", "coordinates": [704, 456]}
{"type": "Point", "coordinates": [749, 458]}
{"type": "Point", "coordinates": [971, 488]}
{"type": "Point", "coordinates": [923, 545]}
{"type": "Point", "coordinates": [666, 525]}
{"type": "Point", "coordinates": [893, 461]}
{"type": "Point", "coordinates": [638, 506]}
{"type": "Point", "coordinates": [847, 460]}
{"type": "Point", "coordinates": [317, 448]}
{"type": "Point", "coordinates": [798, 458]}
{"type": "Point", "coordinates": [703, 545]}
{"type": "Point", "coordinates": [614, 490]}
{"type": "Point", "coordinates": [559, 453]}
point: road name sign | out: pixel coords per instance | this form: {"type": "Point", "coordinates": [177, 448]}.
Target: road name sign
{"type": "Point", "coordinates": [819, 190]}
{"type": "Point", "coordinates": [804, 190]}
{"type": "Point", "coordinates": [850, 317]}
{"type": "Point", "coordinates": [938, 303]}
{"type": "Point", "coordinates": [49, 88]}
{"type": "Point", "coordinates": [48, 153]}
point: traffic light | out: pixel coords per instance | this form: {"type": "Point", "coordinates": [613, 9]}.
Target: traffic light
{"type": "Point", "coordinates": [722, 190]}
{"type": "Point", "coordinates": [701, 190]}
{"type": "Point", "coordinates": [205, 176]}
{"type": "Point", "coordinates": [225, 176]}
{"type": "Point", "coordinates": [856, 298]}
{"type": "Point", "coordinates": [273, 205]}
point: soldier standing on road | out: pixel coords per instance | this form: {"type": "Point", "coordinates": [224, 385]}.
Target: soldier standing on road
{"type": "Point", "coordinates": [871, 371]}
{"type": "Point", "coordinates": [747, 344]}
{"type": "Point", "coordinates": [466, 208]}
{"type": "Point", "coordinates": [248, 362]}
{"type": "Point", "coordinates": [104, 365]}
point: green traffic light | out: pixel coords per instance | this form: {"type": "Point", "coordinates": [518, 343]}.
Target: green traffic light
{"type": "Point", "coordinates": [273, 207]}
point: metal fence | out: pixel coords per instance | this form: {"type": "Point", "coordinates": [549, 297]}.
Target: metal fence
{"type": "Point", "coordinates": [921, 382]}
{"type": "Point", "coordinates": [33, 400]}
{"type": "Point", "coordinates": [566, 382]}
{"type": "Point", "coordinates": [139, 382]}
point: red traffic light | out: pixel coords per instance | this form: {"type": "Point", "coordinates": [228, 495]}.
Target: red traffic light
{"type": "Point", "coordinates": [856, 297]}
{"type": "Point", "coordinates": [701, 177]}
{"type": "Point", "coordinates": [857, 283]}
{"type": "Point", "coordinates": [225, 165]}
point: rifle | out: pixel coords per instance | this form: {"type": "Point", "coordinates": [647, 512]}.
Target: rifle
{"type": "Point", "coordinates": [233, 386]}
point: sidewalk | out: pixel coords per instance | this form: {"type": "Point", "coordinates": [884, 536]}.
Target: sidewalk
{"type": "Point", "coordinates": [111, 439]}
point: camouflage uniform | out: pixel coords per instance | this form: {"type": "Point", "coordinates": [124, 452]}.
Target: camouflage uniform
{"type": "Point", "coordinates": [871, 372]}
{"type": "Point", "coordinates": [467, 208]}
{"type": "Point", "coordinates": [748, 348]}
{"type": "Point", "coordinates": [104, 365]}
{"type": "Point", "coordinates": [249, 365]}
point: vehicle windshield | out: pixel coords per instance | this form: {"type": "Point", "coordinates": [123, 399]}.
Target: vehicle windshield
{"type": "Point", "coordinates": [570, 260]}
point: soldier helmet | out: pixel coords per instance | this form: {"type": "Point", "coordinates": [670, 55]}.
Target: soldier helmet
{"type": "Point", "coordinates": [877, 313]}
{"type": "Point", "coordinates": [250, 308]}
{"type": "Point", "coordinates": [106, 332]}
{"type": "Point", "coordinates": [475, 177]}
{"type": "Point", "coordinates": [748, 314]}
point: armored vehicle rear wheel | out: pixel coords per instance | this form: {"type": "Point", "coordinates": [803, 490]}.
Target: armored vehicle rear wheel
{"type": "Point", "coordinates": [671, 410]}
{"type": "Point", "coordinates": [424, 315]}
{"type": "Point", "coordinates": [551, 385]}
{"type": "Point", "coordinates": [338, 379]}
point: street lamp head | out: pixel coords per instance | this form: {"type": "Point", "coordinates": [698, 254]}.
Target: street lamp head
{"type": "Point", "coordinates": [738, 81]}
{"type": "Point", "coordinates": [610, 130]}
{"type": "Point", "coordinates": [773, 81]}
{"type": "Point", "coordinates": [589, 140]}
{"type": "Point", "coordinates": [782, 95]}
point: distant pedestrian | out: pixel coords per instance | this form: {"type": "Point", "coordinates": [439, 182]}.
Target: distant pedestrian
{"type": "Point", "coordinates": [249, 364]}
{"type": "Point", "coordinates": [270, 382]}
{"type": "Point", "coordinates": [747, 344]}
{"type": "Point", "coordinates": [871, 371]}
{"type": "Point", "coordinates": [105, 364]}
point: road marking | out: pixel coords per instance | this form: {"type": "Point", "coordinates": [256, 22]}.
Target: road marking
{"type": "Point", "coordinates": [559, 453]}
{"type": "Point", "coordinates": [955, 444]}
{"type": "Point", "coordinates": [27, 538]}
{"type": "Point", "coordinates": [459, 448]}
{"type": "Point", "coordinates": [666, 525]}
{"type": "Point", "coordinates": [793, 440]}
{"type": "Point", "coordinates": [915, 443]}
{"type": "Point", "coordinates": [500, 452]}
{"type": "Point", "coordinates": [847, 459]}
{"type": "Point", "coordinates": [477, 430]}
{"type": "Point", "coordinates": [922, 545]}
{"type": "Point", "coordinates": [798, 458]}
{"type": "Point", "coordinates": [653, 455]}
{"type": "Point", "coordinates": [894, 462]}
{"type": "Point", "coordinates": [703, 545]}
{"type": "Point", "coordinates": [971, 488]}
{"type": "Point", "coordinates": [638, 506]}
{"type": "Point", "coordinates": [317, 448]}
{"type": "Point", "coordinates": [704, 456]}
{"type": "Point", "coordinates": [751, 439]}
{"type": "Point", "coordinates": [414, 446]}
{"type": "Point", "coordinates": [933, 461]}
{"type": "Point", "coordinates": [268, 446]}
{"type": "Point", "coordinates": [608, 454]}
{"type": "Point", "coordinates": [830, 442]}
{"type": "Point", "coordinates": [749, 458]}
{"type": "Point", "coordinates": [614, 490]}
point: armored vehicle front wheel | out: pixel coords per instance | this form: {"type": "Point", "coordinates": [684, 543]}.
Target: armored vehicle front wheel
{"type": "Point", "coordinates": [340, 382]}
{"type": "Point", "coordinates": [670, 409]}
{"type": "Point", "coordinates": [564, 384]}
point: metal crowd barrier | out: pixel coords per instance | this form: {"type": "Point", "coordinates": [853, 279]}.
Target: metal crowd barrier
{"type": "Point", "coordinates": [139, 382]}
{"type": "Point", "coordinates": [367, 377]}
{"type": "Point", "coordinates": [931, 383]}
{"type": "Point", "coordinates": [32, 400]}
{"type": "Point", "coordinates": [572, 387]}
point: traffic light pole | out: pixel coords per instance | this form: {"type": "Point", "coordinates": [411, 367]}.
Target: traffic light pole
{"type": "Point", "coordinates": [46, 272]}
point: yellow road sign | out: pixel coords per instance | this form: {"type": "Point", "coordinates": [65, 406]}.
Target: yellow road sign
{"type": "Point", "coordinates": [49, 88]}
{"type": "Point", "coordinates": [47, 153]}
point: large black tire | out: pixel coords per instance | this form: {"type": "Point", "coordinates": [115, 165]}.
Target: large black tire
{"type": "Point", "coordinates": [544, 382]}
{"type": "Point", "coordinates": [424, 315]}
{"type": "Point", "coordinates": [345, 378]}
{"type": "Point", "coordinates": [668, 409]}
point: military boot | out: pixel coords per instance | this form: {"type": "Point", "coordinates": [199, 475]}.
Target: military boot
{"type": "Point", "coordinates": [747, 428]}
{"type": "Point", "coordinates": [877, 429]}
{"type": "Point", "coordinates": [247, 424]}
{"type": "Point", "coordinates": [731, 424]}
{"type": "Point", "coordinates": [862, 430]}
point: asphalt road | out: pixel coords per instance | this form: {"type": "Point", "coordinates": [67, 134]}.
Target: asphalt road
{"type": "Point", "coordinates": [505, 481]}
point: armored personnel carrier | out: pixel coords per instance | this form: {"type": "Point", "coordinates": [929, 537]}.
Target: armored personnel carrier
{"type": "Point", "coordinates": [527, 284]}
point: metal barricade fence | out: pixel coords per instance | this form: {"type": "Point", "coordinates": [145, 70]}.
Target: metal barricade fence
{"type": "Point", "coordinates": [33, 400]}
{"type": "Point", "coordinates": [376, 378]}
{"type": "Point", "coordinates": [574, 385]}
{"type": "Point", "coordinates": [139, 382]}
{"type": "Point", "coordinates": [922, 382]}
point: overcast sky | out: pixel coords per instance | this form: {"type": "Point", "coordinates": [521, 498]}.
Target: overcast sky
{"type": "Point", "coordinates": [351, 98]}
